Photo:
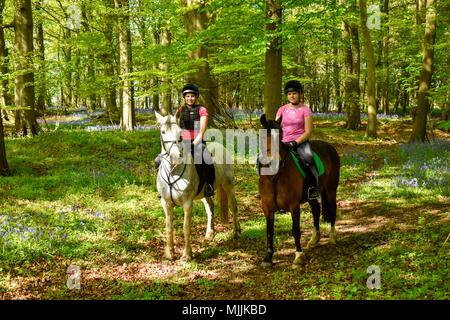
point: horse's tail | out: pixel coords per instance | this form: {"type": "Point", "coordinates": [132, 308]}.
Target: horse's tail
{"type": "Point", "coordinates": [223, 200]}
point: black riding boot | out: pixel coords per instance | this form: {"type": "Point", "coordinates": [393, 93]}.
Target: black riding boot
{"type": "Point", "coordinates": [306, 156]}
{"type": "Point", "coordinates": [313, 189]}
{"type": "Point", "coordinates": [209, 172]}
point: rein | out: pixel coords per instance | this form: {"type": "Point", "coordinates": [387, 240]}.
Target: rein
{"type": "Point", "coordinates": [275, 180]}
{"type": "Point", "coordinates": [168, 173]}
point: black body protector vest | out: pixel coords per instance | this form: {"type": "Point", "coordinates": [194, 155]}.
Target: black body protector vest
{"type": "Point", "coordinates": [189, 116]}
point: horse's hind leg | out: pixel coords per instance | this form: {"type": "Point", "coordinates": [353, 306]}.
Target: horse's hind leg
{"type": "Point", "coordinates": [329, 212]}
{"type": "Point", "coordinates": [209, 208]}
{"type": "Point", "coordinates": [168, 210]}
{"type": "Point", "coordinates": [232, 204]}
{"type": "Point", "coordinates": [315, 209]}
{"type": "Point", "coordinates": [228, 202]}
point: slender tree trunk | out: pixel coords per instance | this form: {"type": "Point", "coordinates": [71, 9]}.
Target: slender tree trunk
{"type": "Point", "coordinates": [154, 81]}
{"type": "Point", "coordinates": [166, 105]}
{"type": "Point", "coordinates": [128, 115]}
{"type": "Point", "coordinates": [445, 14]}
{"type": "Point", "coordinates": [423, 104]}
{"type": "Point", "coordinates": [385, 62]}
{"type": "Point", "coordinates": [351, 84]}
{"type": "Point", "coordinates": [92, 98]}
{"type": "Point", "coordinates": [108, 58]}
{"type": "Point", "coordinates": [196, 20]}
{"type": "Point", "coordinates": [273, 59]}
{"type": "Point", "coordinates": [41, 83]}
{"type": "Point", "coordinates": [371, 130]}
{"type": "Point", "coordinates": [23, 63]}
{"type": "Point", "coordinates": [4, 168]}
{"type": "Point", "coordinates": [5, 98]}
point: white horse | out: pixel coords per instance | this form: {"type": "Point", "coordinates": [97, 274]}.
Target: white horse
{"type": "Point", "coordinates": [178, 182]}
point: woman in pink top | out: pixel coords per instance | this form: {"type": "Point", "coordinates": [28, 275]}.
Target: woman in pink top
{"type": "Point", "coordinates": [296, 126]}
{"type": "Point", "coordinates": [193, 120]}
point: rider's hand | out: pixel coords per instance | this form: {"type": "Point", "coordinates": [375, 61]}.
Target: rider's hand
{"type": "Point", "coordinates": [291, 144]}
{"type": "Point", "coordinates": [197, 140]}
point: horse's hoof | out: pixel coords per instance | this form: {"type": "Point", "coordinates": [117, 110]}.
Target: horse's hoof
{"type": "Point", "coordinates": [186, 258]}
{"type": "Point", "coordinates": [298, 258]}
{"type": "Point", "coordinates": [266, 264]}
{"type": "Point", "coordinates": [209, 236]}
{"type": "Point", "coordinates": [312, 243]}
{"type": "Point", "coordinates": [332, 239]}
{"type": "Point", "coordinates": [169, 255]}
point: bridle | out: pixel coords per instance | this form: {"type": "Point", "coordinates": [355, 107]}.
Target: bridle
{"type": "Point", "coordinates": [274, 178]}
{"type": "Point", "coordinates": [168, 173]}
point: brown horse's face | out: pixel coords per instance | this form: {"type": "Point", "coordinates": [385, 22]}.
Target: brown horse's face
{"type": "Point", "coordinates": [269, 142]}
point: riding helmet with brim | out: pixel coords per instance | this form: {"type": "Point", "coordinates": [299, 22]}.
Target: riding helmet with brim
{"type": "Point", "coordinates": [190, 88]}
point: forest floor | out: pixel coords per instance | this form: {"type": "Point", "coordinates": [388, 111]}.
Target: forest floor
{"type": "Point", "coordinates": [403, 231]}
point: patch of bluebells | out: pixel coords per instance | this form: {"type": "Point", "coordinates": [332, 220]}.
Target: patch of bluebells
{"type": "Point", "coordinates": [118, 128]}
{"type": "Point", "coordinates": [11, 229]}
{"type": "Point", "coordinates": [354, 157]}
{"type": "Point", "coordinates": [343, 115]}
{"type": "Point", "coordinates": [426, 166]}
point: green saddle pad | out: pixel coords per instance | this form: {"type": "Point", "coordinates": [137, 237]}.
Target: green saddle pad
{"type": "Point", "coordinates": [319, 164]}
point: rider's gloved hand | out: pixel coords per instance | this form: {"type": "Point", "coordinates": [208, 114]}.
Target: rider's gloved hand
{"type": "Point", "coordinates": [291, 144]}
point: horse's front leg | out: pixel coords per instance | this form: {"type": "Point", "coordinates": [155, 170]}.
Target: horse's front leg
{"type": "Point", "coordinates": [187, 253]}
{"type": "Point", "coordinates": [209, 208]}
{"type": "Point", "coordinates": [295, 214]}
{"type": "Point", "coordinates": [168, 210]}
{"type": "Point", "coordinates": [270, 219]}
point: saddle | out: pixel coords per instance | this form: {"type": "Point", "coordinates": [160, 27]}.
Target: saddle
{"type": "Point", "coordinates": [298, 163]}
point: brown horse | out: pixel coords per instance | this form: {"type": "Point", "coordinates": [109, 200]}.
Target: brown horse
{"type": "Point", "coordinates": [284, 189]}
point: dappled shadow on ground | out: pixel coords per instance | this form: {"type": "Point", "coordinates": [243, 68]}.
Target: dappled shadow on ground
{"type": "Point", "coordinates": [228, 268]}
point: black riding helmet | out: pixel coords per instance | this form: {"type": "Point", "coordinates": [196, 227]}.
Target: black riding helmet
{"type": "Point", "coordinates": [293, 86]}
{"type": "Point", "coordinates": [190, 88]}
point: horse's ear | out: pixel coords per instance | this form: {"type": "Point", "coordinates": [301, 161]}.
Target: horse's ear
{"type": "Point", "coordinates": [263, 120]}
{"type": "Point", "coordinates": [158, 117]}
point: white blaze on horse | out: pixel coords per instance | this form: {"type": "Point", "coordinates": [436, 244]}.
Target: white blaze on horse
{"type": "Point", "coordinates": [178, 183]}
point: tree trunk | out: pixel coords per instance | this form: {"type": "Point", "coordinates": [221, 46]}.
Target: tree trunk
{"type": "Point", "coordinates": [41, 90]}
{"type": "Point", "coordinates": [196, 20]}
{"type": "Point", "coordinates": [273, 59]}
{"type": "Point", "coordinates": [5, 98]}
{"type": "Point", "coordinates": [154, 81]}
{"type": "Point", "coordinates": [108, 58]}
{"type": "Point", "coordinates": [371, 130]}
{"type": "Point", "coordinates": [4, 169]}
{"type": "Point", "coordinates": [166, 105]}
{"type": "Point", "coordinates": [23, 63]}
{"type": "Point", "coordinates": [351, 83]}
{"type": "Point", "coordinates": [385, 62]}
{"type": "Point", "coordinates": [423, 104]}
{"type": "Point", "coordinates": [92, 98]}
{"type": "Point", "coordinates": [128, 115]}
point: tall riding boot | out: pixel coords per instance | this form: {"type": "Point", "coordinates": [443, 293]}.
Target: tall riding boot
{"type": "Point", "coordinates": [209, 171]}
{"type": "Point", "coordinates": [313, 190]}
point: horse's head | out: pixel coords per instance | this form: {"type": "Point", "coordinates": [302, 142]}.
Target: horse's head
{"type": "Point", "coordinates": [170, 136]}
{"type": "Point", "coordinates": [270, 142]}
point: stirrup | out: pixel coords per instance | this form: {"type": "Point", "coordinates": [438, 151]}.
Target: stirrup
{"type": "Point", "coordinates": [313, 193]}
